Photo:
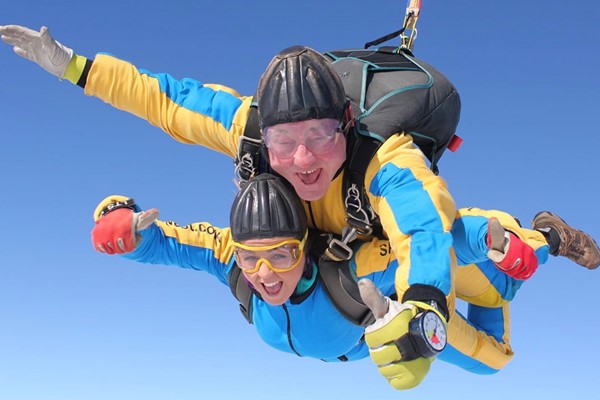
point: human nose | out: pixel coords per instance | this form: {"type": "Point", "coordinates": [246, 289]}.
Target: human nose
{"type": "Point", "coordinates": [263, 269]}
{"type": "Point", "coordinates": [303, 156]}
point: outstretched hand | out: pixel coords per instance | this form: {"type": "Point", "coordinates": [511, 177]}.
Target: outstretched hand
{"type": "Point", "coordinates": [39, 47]}
{"type": "Point", "coordinates": [117, 231]}
{"type": "Point", "coordinates": [509, 253]}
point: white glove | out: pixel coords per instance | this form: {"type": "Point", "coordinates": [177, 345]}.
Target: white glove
{"type": "Point", "coordinates": [39, 47]}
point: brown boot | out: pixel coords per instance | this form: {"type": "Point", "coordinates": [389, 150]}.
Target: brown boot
{"type": "Point", "coordinates": [574, 244]}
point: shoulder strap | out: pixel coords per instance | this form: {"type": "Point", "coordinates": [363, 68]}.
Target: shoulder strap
{"type": "Point", "coordinates": [242, 292]}
{"type": "Point", "coordinates": [342, 289]}
{"type": "Point", "coordinates": [360, 214]}
{"type": "Point", "coordinates": [338, 282]}
{"type": "Point", "coordinates": [360, 217]}
{"type": "Point", "coordinates": [247, 162]}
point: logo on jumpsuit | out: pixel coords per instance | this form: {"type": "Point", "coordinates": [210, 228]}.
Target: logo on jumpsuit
{"type": "Point", "coordinates": [200, 227]}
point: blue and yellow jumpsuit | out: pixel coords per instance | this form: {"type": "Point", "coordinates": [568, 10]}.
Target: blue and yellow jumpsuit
{"type": "Point", "coordinates": [414, 205]}
{"type": "Point", "coordinates": [309, 325]}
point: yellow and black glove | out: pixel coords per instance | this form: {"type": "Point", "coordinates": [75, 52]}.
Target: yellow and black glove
{"type": "Point", "coordinates": [405, 337]}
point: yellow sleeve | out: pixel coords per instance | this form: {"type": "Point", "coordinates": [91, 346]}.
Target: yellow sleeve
{"type": "Point", "coordinates": [416, 212]}
{"type": "Point", "coordinates": [189, 111]}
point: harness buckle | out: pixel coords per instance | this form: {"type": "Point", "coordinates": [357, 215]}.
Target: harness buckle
{"type": "Point", "coordinates": [361, 227]}
{"type": "Point", "coordinates": [246, 163]}
{"type": "Point", "coordinates": [338, 249]}
{"type": "Point", "coordinates": [358, 217]}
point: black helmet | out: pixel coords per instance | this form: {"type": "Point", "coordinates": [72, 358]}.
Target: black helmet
{"type": "Point", "coordinates": [266, 207]}
{"type": "Point", "coordinates": [299, 84]}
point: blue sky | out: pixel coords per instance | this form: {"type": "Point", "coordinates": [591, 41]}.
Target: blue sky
{"type": "Point", "coordinates": [76, 324]}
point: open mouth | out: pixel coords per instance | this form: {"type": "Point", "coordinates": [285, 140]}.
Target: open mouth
{"type": "Point", "coordinates": [273, 288]}
{"type": "Point", "coordinates": [309, 177]}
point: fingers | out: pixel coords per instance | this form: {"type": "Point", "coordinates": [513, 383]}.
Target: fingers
{"type": "Point", "coordinates": [26, 42]}
{"type": "Point", "coordinates": [8, 40]}
{"type": "Point", "coordinates": [47, 39]}
{"type": "Point", "coordinates": [11, 40]}
{"type": "Point", "coordinates": [17, 35]}
{"type": "Point", "coordinates": [109, 248]}
{"type": "Point", "coordinates": [16, 30]}
{"type": "Point", "coordinates": [106, 248]}
{"type": "Point", "coordinates": [23, 53]}
{"type": "Point", "coordinates": [373, 298]}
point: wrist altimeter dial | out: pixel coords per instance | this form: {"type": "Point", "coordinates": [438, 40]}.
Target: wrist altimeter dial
{"type": "Point", "coordinates": [428, 332]}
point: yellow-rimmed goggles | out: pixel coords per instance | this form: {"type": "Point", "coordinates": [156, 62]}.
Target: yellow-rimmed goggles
{"type": "Point", "coordinates": [279, 257]}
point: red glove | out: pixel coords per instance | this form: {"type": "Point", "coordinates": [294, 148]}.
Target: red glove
{"type": "Point", "coordinates": [509, 253]}
{"type": "Point", "coordinates": [116, 231]}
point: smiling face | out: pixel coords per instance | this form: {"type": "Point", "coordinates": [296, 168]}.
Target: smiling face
{"type": "Point", "coordinates": [274, 287]}
{"type": "Point", "coordinates": [318, 152]}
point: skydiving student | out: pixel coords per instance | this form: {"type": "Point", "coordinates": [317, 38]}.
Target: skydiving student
{"type": "Point", "coordinates": [302, 106]}
{"type": "Point", "coordinates": [289, 304]}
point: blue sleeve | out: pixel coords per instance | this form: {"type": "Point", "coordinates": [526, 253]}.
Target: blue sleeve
{"type": "Point", "coordinates": [200, 247]}
{"type": "Point", "coordinates": [469, 234]}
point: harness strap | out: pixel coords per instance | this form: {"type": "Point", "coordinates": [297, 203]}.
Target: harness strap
{"type": "Point", "coordinates": [360, 216]}
{"type": "Point", "coordinates": [342, 290]}
{"type": "Point", "coordinates": [337, 280]}
{"type": "Point", "coordinates": [340, 286]}
{"type": "Point", "coordinates": [242, 292]}
{"type": "Point", "coordinates": [248, 158]}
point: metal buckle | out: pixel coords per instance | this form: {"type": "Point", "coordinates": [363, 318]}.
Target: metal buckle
{"type": "Point", "coordinates": [245, 163]}
{"type": "Point", "coordinates": [339, 250]}
{"type": "Point", "coordinates": [357, 215]}
{"type": "Point", "coordinates": [358, 219]}
{"type": "Point", "coordinates": [358, 224]}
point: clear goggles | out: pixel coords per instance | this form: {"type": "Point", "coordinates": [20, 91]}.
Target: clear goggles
{"type": "Point", "coordinates": [318, 140]}
{"type": "Point", "coordinates": [279, 257]}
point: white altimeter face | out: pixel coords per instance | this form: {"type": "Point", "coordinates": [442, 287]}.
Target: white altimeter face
{"type": "Point", "coordinates": [434, 330]}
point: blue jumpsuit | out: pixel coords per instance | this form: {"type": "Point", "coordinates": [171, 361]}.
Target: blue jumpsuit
{"type": "Point", "coordinates": [309, 325]}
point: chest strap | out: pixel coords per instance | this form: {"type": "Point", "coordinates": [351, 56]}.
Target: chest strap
{"type": "Point", "coordinates": [360, 217]}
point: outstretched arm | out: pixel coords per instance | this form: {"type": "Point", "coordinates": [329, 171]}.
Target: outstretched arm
{"type": "Point", "coordinates": [416, 212]}
{"type": "Point", "coordinates": [122, 228]}
{"type": "Point", "coordinates": [190, 111]}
